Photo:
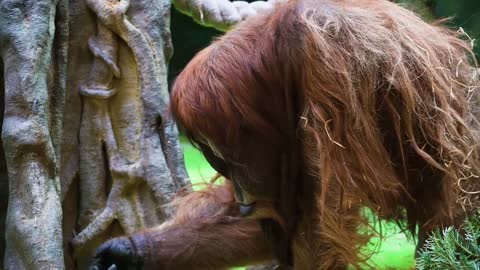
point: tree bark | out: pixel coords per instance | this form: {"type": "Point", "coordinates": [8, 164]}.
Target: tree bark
{"type": "Point", "coordinates": [3, 175]}
{"type": "Point", "coordinates": [130, 162]}
{"type": "Point", "coordinates": [119, 154]}
{"type": "Point", "coordinates": [33, 40]}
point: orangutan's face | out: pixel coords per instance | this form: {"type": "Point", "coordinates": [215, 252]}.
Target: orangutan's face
{"type": "Point", "coordinates": [252, 168]}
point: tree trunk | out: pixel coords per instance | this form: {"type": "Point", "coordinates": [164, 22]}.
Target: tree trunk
{"type": "Point", "coordinates": [3, 175]}
{"type": "Point", "coordinates": [130, 162]}
{"type": "Point", "coordinates": [33, 47]}
{"type": "Point", "coordinates": [85, 132]}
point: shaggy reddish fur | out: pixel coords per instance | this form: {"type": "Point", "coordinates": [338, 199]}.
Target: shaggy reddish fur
{"type": "Point", "coordinates": [315, 111]}
{"type": "Point", "coordinates": [205, 233]}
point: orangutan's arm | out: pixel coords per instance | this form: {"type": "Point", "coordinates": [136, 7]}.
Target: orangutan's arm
{"type": "Point", "coordinates": [205, 233]}
{"type": "Point", "coordinates": [203, 246]}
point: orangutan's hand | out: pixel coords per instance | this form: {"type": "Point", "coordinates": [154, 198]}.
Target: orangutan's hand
{"type": "Point", "coordinates": [117, 254]}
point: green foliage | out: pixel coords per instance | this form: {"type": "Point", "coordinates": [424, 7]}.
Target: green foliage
{"type": "Point", "coordinates": [451, 249]}
{"type": "Point", "coordinates": [422, 7]}
{"type": "Point", "coordinates": [464, 14]}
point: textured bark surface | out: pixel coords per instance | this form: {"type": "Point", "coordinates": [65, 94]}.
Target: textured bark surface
{"type": "Point", "coordinates": [116, 161]}
{"type": "Point", "coordinates": [3, 176]}
{"type": "Point", "coordinates": [127, 162]}
{"type": "Point", "coordinates": [33, 46]}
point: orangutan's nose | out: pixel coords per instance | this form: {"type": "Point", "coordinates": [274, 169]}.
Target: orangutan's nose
{"type": "Point", "coordinates": [246, 209]}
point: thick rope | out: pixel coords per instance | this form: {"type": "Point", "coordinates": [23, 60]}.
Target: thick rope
{"type": "Point", "coordinates": [223, 14]}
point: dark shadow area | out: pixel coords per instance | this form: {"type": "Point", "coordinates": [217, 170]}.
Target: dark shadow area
{"type": "Point", "coordinates": [188, 38]}
{"type": "Point", "coordinates": [464, 14]}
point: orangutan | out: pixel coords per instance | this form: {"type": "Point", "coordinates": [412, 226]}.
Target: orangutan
{"type": "Point", "coordinates": [312, 113]}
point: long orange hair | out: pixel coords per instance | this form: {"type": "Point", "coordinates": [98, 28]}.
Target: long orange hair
{"type": "Point", "coordinates": [376, 108]}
